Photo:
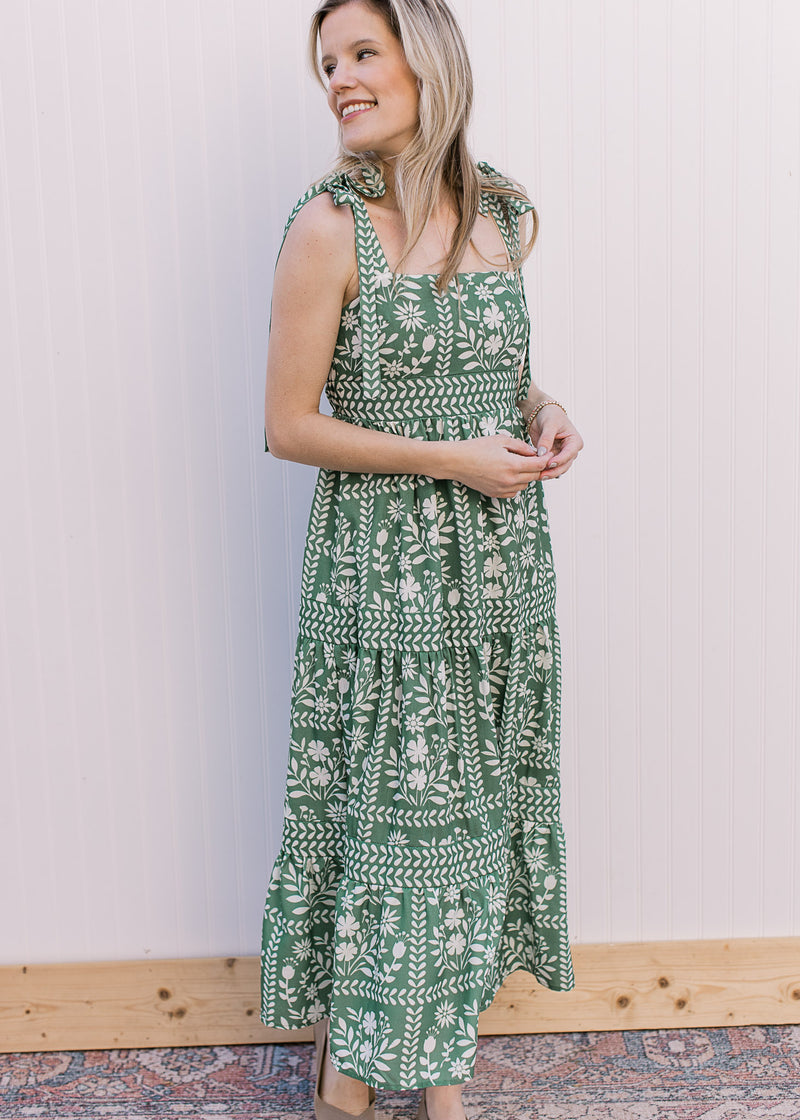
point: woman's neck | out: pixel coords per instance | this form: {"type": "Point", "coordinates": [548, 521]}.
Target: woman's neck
{"type": "Point", "coordinates": [444, 207]}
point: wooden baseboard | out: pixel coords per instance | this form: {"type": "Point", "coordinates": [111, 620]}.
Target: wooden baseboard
{"type": "Point", "coordinates": [214, 1001]}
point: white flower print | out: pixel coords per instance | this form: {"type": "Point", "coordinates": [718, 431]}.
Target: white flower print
{"type": "Point", "coordinates": [347, 925]}
{"type": "Point", "coordinates": [459, 1069]}
{"type": "Point", "coordinates": [488, 425]}
{"type": "Point", "coordinates": [346, 950]}
{"type": "Point", "coordinates": [453, 596]}
{"type": "Point", "coordinates": [303, 951]}
{"type": "Point", "coordinates": [349, 318]}
{"type": "Point", "coordinates": [321, 704]}
{"type": "Point", "coordinates": [404, 563]}
{"type": "Point", "coordinates": [396, 509]}
{"type": "Point", "coordinates": [409, 588]}
{"type": "Point", "coordinates": [346, 591]}
{"type": "Point", "coordinates": [456, 944]}
{"type": "Point", "coordinates": [544, 659]}
{"type": "Point", "coordinates": [358, 737]}
{"type": "Point", "coordinates": [452, 893]}
{"type": "Point", "coordinates": [492, 591]}
{"type": "Point", "coordinates": [369, 1022]}
{"type": "Point", "coordinates": [410, 315]}
{"type": "Point", "coordinates": [418, 750]}
{"type": "Point", "coordinates": [430, 507]}
{"type": "Point", "coordinates": [495, 899]}
{"type": "Point", "coordinates": [384, 278]}
{"type": "Point", "coordinates": [453, 917]}
{"type": "Point", "coordinates": [536, 859]}
{"type": "Point", "coordinates": [415, 722]}
{"type": "Point", "coordinates": [388, 923]}
{"type": "Point", "coordinates": [417, 779]}
{"type": "Point", "coordinates": [527, 556]}
{"type": "Point", "coordinates": [318, 750]}
{"type": "Point", "coordinates": [493, 316]}
{"type": "Point", "coordinates": [320, 776]}
{"type": "Point", "coordinates": [445, 1014]}
{"type": "Point", "coordinates": [493, 344]}
{"type": "Point", "coordinates": [493, 565]}
{"type": "Point", "coordinates": [483, 292]}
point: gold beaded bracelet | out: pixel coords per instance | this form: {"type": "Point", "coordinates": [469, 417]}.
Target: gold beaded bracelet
{"type": "Point", "coordinates": [538, 409]}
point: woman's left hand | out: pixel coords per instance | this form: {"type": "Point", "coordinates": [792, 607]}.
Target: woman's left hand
{"type": "Point", "coordinates": [556, 439]}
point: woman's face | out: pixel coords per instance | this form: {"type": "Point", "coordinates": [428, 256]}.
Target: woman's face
{"type": "Point", "coordinates": [371, 89]}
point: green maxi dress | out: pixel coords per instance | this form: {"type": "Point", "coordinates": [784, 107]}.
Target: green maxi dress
{"type": "Point", "coordinates": [422, 857]}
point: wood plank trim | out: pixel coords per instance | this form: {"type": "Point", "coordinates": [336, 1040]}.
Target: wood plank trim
{"type": "Point", "coordinates": [214, 1001]}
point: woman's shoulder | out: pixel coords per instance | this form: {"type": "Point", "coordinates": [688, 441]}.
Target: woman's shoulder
{"type": "Point", "coordinates": [317, 219]}
{"type": "Point", "coordinates": [325, 196]}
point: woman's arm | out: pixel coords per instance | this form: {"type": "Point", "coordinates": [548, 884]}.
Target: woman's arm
{"type": "Point", "coordinates": [527, 404]}
{"type": "Point", "coordinates": [316, 270]}
{"type": "Point", "coordinates": [552, 433]}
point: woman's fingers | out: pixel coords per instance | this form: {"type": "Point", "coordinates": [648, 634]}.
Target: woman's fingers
{"type": "Point", "coordinates": [564, 458]}
{"type": "Point", "coordinates": [519, 446]}
{"type": "Point", "coordinates": [555, 447]}
{"type": "Point", "coordinates": [548, 435]}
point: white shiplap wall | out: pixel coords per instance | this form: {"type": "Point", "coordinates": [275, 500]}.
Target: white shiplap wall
{"type": "Point", "coordinates": [150, 551]}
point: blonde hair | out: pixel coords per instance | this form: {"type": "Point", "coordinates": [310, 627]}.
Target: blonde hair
{"type": "Point", "coordinates": [438, 156]}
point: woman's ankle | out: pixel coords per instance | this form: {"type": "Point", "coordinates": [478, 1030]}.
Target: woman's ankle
{"type": "Point", "coordinates": [342, 1090]}
{"type": "Point", "coordinates": [444, 1102]}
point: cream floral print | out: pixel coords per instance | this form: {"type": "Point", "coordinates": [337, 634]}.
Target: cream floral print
{"type": "Point", "coordinates": [422, 857]}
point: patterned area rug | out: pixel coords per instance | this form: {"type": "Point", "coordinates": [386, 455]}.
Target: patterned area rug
{"type": "Point", "coordinates": [719, 1074]}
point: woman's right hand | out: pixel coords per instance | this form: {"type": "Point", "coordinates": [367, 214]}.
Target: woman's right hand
{"type": "Point", "coordinates": [499, 466]}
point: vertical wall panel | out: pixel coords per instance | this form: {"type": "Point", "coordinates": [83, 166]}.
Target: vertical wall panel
{"type": "Point", "coordinates": [150, 551]}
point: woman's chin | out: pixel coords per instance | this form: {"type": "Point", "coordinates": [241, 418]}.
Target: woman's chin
{"type": "Point", "coordinates": [357, 144]}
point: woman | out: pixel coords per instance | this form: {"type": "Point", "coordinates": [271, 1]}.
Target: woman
{"type": "Point", "coordinates": [422, 858]}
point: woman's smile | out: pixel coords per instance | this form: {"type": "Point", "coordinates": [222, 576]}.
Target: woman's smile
{"type": "Point", "coordinates": [350, 109]}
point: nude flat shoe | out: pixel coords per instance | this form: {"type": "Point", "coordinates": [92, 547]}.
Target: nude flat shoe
{"type": "Point", "coordinates": [323, 1110]}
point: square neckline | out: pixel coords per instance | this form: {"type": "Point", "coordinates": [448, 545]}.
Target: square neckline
{"type": "Point", "coordinates": [422, 275]}
{"type": "Point", "coordinates": [419, 275]}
